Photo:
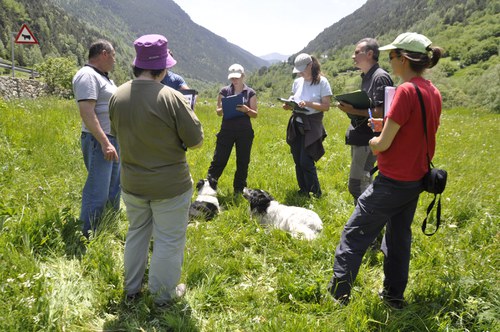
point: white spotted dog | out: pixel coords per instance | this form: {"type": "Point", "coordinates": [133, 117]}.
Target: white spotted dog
{"type": "Point", "coordinates": [298, 221]}
{"type": "Point", "coordinates": [206, 205]}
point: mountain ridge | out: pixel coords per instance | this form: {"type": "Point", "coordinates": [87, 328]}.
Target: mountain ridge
{"type": "Point", "coordinates": [274, 57]}
{"type": "Point", "coordinates": [193, 45]}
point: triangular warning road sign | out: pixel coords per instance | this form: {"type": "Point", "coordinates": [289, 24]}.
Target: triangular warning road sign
{"type": "Point", "coordinates": [25, 36]}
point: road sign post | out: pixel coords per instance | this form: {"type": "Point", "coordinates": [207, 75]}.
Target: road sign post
{"type": "Point", "coordinates": [12, 58]}
{"type": "Point", "coordinates": [24, 36]}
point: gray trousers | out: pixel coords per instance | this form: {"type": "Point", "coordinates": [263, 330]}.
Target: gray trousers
{"type": "Point", "coordinates": [385, 202]}
{"type": "Point", "coordinates": [166, 221]}
{"type": "Point", "coordinates": [362, 162]}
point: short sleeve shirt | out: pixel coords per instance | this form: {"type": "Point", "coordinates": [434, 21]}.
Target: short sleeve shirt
{"type": "Point", "coordinates": [174, 81]}
{"type": "Point", "coordinates": [239, 123]}
{"type": "Point", "coordinates": [405, 159]}
{"type": "Point", "coordinates": [374, 83]}
{"type": "Point", "coordinates": [89, 84]}
{"type": "Point", "coordinates": [153, 123]}
{"type": "Point", "coordinates": [302, 90]}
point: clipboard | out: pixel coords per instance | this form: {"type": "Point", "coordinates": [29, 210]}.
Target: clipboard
{"type": "Point", "coordinates": [358, 99]}
{"type": "Point", "coordinates": [229, 104]}
{"type": "Point", "coordinates": [293, 105]}
{"type": "Point", "coordinates": [190, 95]}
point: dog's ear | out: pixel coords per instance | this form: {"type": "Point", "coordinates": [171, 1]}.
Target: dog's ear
{"type": "Point", "coordinates": [259, 201]}
{"type": "Point", "coordinates": [268, 195]}
{"type": "Point", "coordinates": [200, 184]}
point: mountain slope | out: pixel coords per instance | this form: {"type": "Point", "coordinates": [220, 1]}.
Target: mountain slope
{"type": "Point", "coordinates": [390, 17]}
{"type": "Point", "coordinates": [67, 27]}
{"type": "Point", "coordinates": [200, 53]}
{"type": "Point", "coordinates": [468, 30]}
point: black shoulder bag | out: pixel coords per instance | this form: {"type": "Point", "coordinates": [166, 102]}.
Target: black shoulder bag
{"type": "Point", "coordinates": [434, 180]}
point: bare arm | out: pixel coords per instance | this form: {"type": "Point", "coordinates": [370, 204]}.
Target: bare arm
{"type": "Point", "coordinates": [377, 112]}
{"type": "Point", "coordinates": [251, 110]}
{"type": "Point", "coordinates": [219, 105]}
{"type": "Point", "coordinates": [323, 106]}
{"type": "Point", "coordinates": [384, 141]}
{"type": "Point", "coordinates": [89, 117]}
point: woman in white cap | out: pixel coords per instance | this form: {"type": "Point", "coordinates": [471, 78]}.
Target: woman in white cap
{"type": "Point", "coordinates": [154, 125]}
{"type": "Point", "coordinates": [236, 130]}
{"type": "Point", "coordinates": [402, 162]}
{"type": "Point", "coordinates": [305, 132]}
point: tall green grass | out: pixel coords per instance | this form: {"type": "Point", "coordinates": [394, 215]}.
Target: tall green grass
{"type": "Point", "coordinates": [240, 276]}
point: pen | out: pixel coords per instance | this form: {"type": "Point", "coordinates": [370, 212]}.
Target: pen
{"type": "Point", "coordinates": [370, 115]}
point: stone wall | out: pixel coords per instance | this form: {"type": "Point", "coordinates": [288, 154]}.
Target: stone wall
{"type": "Point", "coordinates": [11, 87]}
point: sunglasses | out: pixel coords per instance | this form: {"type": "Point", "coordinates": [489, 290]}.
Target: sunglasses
{"type": "Point", "coordinates": [392, 56]}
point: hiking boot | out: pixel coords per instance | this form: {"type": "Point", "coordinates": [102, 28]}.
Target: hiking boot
{"type": "Point", "coordinates": [129, 298]}
{"type": "Point", "coordinates": [394, 303]}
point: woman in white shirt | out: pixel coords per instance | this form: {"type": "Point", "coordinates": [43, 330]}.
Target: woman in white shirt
{"type": "Point", "coordinates": [305, 133]}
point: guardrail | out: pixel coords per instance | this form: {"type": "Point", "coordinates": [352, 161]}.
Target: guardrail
{"type": "Point", "coordinates": [21, 69]}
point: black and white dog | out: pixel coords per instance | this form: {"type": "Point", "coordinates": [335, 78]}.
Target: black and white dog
{"type": "Point", "coordinates": [300, 222]}
{"type": "Point", "coordinates": [206, 205]}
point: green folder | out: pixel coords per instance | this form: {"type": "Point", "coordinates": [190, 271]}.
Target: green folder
{"type": "Point", "coordinates": [358, 99]}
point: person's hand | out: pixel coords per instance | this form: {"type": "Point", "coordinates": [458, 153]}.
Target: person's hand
{"type": "Point", "coordinates": [376, 124]}
{"type": "Point", "coordinates": [109, 152]}
{"type": "Point", "coordinates": [302, 104]}
{"type": "Point", "coordinates": [219, 111]}
{"type": "Point", "coordinates": [287, 107]}
{"type": "Point", "coordinates": [242, 108]}
{"type": "Point", "coordinates": [346, 108]}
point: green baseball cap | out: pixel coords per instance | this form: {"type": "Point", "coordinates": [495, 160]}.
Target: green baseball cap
{"type": "Point", "coordinates": [409, 41]}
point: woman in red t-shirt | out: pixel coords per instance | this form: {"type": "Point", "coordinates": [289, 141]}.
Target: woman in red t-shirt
{"type": "Point", "coordinates": [392, 198]}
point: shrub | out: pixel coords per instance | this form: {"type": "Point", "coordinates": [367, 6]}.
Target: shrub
{"type": "Point", "coordinates": [58, 73]}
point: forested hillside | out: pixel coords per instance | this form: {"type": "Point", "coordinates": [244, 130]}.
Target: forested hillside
{"type": "Point", "coordinates": [468, 30]}
{"type": "Point", "coordinates": [66, 28]}
{"type": "Point", "coordinates": [200, 53]}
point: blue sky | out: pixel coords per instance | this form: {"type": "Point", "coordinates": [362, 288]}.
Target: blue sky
{"type": "Point", "coordinates": [267, 26]}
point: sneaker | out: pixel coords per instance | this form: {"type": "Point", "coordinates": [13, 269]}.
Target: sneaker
{"type": "Point", "coordinates": [317, 194]}
{"type": "Point", "coordinates": [180, 291]}
{"type": "Point", "coordinates": [132, 297]}
{"type": "Point", "coordinates": [303, 193]}
{"type": "Point", "coordinates": [390, 301]}
{"type": "Point", "coordinates": [342, 299]}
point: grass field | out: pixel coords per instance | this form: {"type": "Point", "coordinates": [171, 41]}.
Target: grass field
{"type": "Point", "coordinates": [240, 276]}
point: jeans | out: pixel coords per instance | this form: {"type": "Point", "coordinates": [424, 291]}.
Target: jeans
{"type": "Point", "coordinates": [305, 169]}
{"type": "Point", "coordinates": [385, 202]}
{"type": "Point", "coordinates": [166, 221]}
{"type": "Point", "coordinates": [225, 141]}
{"type": "Point", "coordinates": [362, 163]}
{"type": "Point", "coordinates": [103, 182]}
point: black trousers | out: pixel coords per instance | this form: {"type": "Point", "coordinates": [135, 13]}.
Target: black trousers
{"type": "Point", "coordinates": [226, 139]}
{"type": "Point", "coordinates": [386, 202]}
